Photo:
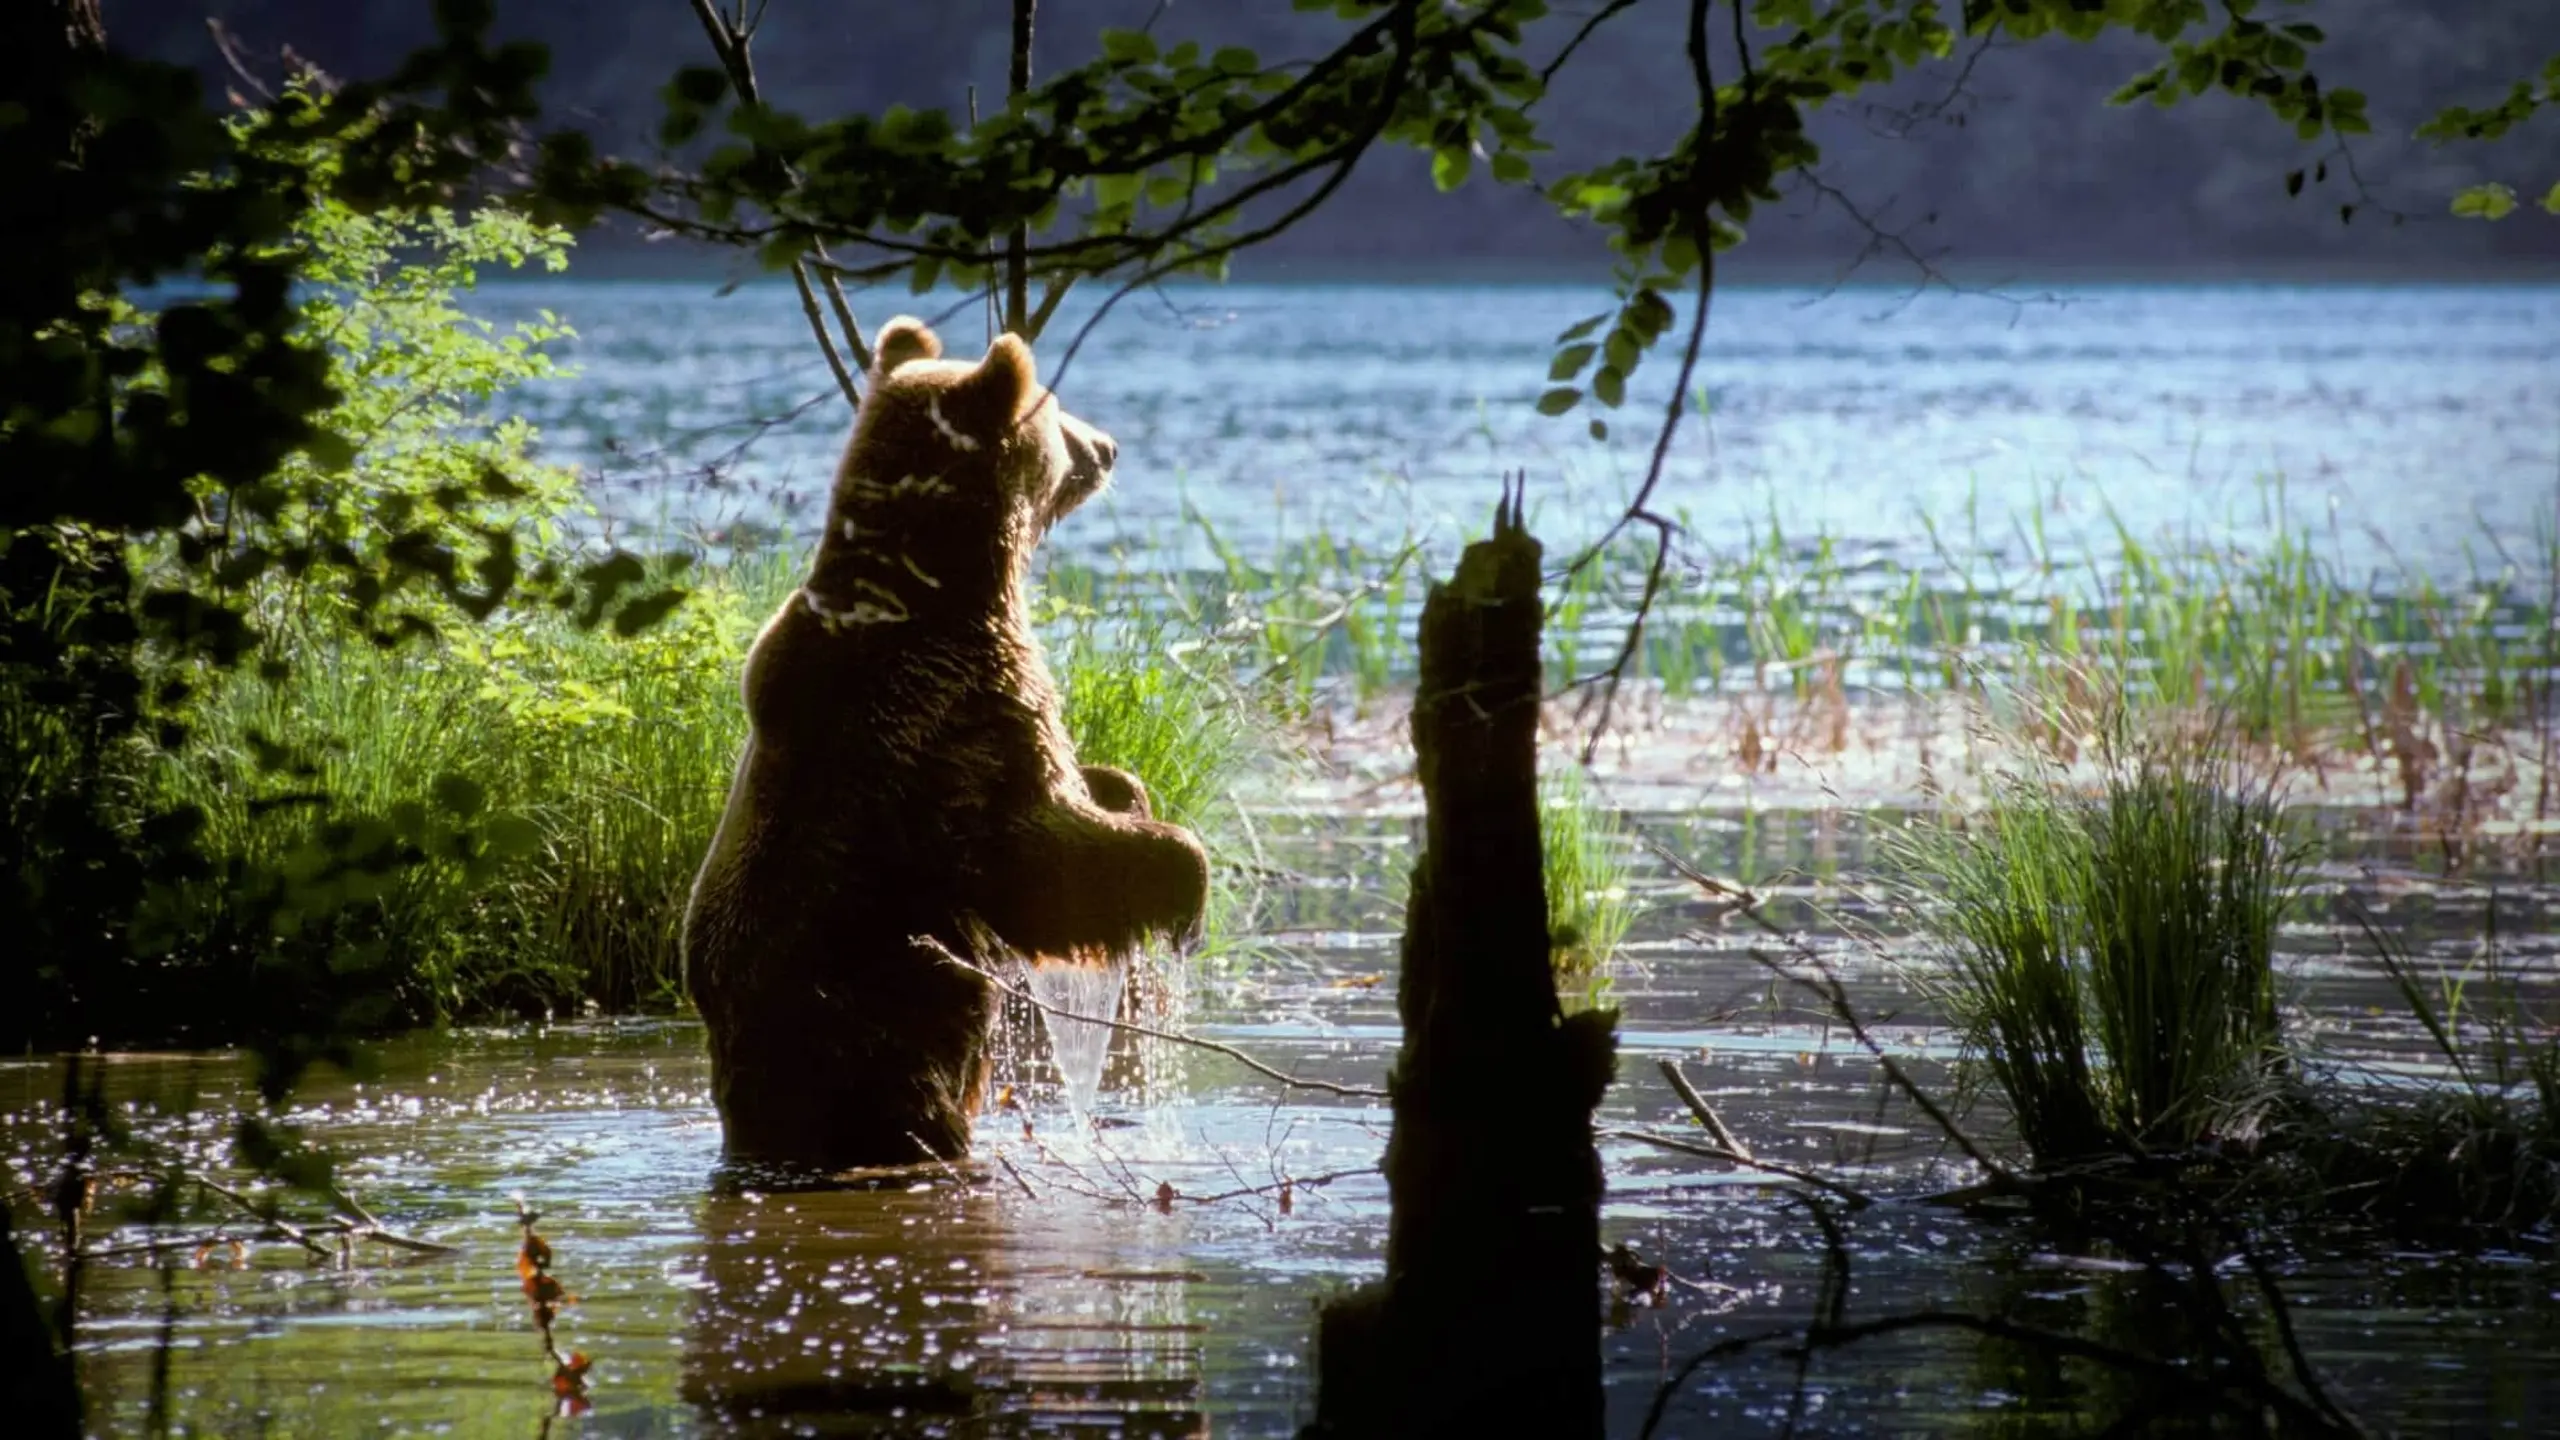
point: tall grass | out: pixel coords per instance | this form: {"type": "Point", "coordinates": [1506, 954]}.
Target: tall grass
{"type": "Point", "coordinates": [2478, 1148]}
{"type": "Point", "coordinates": [607, 758]}
{"type": "Point", "coordinates": [1585, 850]}
{"type": "Point", "coordinates": [1173, 713]}
{"type": "Point", "coordinates": [2286, 641]}
{"type": "Point", "coordinates": [608, 761]}
{"type": "Point", "coordinates": [2109, 955]}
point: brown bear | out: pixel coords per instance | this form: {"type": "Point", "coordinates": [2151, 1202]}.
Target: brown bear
{"type": "Point", "coordinates": [907, 787]}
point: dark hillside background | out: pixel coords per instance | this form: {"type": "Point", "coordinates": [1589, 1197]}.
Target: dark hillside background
{"type": "Point", "coordinates": [2027, 173]}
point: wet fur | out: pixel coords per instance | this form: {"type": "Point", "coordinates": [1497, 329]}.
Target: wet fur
{"type": "Point", "coordinates": [907, 774]}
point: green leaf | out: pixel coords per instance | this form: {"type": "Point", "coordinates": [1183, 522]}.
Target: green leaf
{"type": "Point", "coordinates": [1599, 428]}
{"type": "Point", "coordinates": [460, 794]}
{"type": "Point", "coordinates": [2492, 201]}
{"type": "Point", "coordinates": [1113, 192]}
{"type": "Point", "coordinates": [1510, 168]}
{"type": "Point", "coordinates": [1599, 198]}
{"type": "Point", "coordinates": [329, 450]}
{"type": "Point", "coordinates": [1234, 60]}
{"type": "Point", "coordinates": [2551, 199]}
{"type": "Point", "coordinates": [1609, 387]}
{"type": "Point", "coordinates": [1128, 47]}
{"type": "Point", "coordinates": [510, 836]}
{"type": "Point", "coordinates": [648, 610]}
{"type": "Point", "coordinates": [1624, 350]}
{"type": "Point", "coordinates": [1449, 166]}
{"type": "Point", "coordinates": [1570, 360]}
{"type": "Point", "coordinates": [1582, 327]}
{"type": "Point", "coordinates": [698, 85]}
{"type": "Point", "coordinates": [1559, 400]}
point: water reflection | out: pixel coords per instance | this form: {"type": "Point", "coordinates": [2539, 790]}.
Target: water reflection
{"type": "Point", "coordinates": [914, 1309]}
{"type": "Point", "coordinates": [991, 1309]}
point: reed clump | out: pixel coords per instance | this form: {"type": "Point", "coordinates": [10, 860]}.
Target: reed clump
{"type": "Point", "coordinates": [2468, 1147]}
{"type": "Point", "coordinates": [2107, 944]}
{"type": "Point", "coordinates": [1589, 907]}
{"type": "Point", "coordinates": [2102, 931]}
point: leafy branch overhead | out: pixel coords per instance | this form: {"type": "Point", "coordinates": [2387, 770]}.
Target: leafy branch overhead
{"type": "Point", "coordinates": [1153, 159]}
{"type": "Point", "coordinates": [2496, 200]}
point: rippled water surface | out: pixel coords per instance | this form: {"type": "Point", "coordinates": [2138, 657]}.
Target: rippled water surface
{"type": "Point", "coordinates": [1146, 1277]}
{"type": "Point", "coordinates": [1366, 409]}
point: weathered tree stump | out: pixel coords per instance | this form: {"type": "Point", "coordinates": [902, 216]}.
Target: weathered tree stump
{"type": "Point", "coordinates": [1488, 1319]}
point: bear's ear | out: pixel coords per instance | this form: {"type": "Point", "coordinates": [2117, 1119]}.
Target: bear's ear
{"type": "Point", "coordinates": [1007, 377]}
{"type": "Point", "coordinates": [901, 340]}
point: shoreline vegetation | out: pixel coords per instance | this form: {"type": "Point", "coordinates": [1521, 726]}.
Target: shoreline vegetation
{"type": "Point", "coordinates": [1773, 677]}
{"type": "Point", "coordinates": [680, 262]}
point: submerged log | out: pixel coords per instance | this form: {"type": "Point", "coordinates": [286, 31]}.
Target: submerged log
{"type": "Point", "coordinates": [1488, 1319]}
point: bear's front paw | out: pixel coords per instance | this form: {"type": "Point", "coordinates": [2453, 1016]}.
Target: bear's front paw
{"type": "Point", "coordinates": [1184, 890]}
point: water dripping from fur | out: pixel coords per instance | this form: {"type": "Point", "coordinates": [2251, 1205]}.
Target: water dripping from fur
{"type": "Point", "coordinates": [1078, 1001]}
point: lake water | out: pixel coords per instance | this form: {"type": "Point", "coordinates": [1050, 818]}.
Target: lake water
{"type": "Point", "coordinates": [1059, 1296]}
{"type": "Point", "coordinates": [2428, 417]}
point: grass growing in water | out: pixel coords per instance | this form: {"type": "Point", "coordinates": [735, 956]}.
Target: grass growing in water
{"type": "Point", "coordinates": [2479, 1149]}
{"type": "Point", "coordinates": [2109, 955]}
{"type": "Point", "coordinates": [1588, 907]}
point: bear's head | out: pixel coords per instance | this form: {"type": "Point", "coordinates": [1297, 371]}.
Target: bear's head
{"type": "Point", "coordinates": [955, 471]}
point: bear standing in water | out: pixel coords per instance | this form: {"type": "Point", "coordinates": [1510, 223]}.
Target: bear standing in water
{"type": "Point", "coordinates": [906, 775]}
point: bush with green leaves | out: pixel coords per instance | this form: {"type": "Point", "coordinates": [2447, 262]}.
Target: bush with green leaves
{"type": "Point", "coordinates": [287, 812]}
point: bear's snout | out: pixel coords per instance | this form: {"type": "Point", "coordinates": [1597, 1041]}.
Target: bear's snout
{"type": "Point", "coordinates": [1090, 454]}
{"type": "Point", "coordinates": [1095, 452]}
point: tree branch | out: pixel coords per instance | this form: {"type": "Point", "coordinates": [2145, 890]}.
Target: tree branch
{"type": "Point", "coordinates": [729, 44]}
{"type": "Point", "coordinates": [1017, 267]}
{"type": "Point", "coordinates": [1341, 157]}
{"type": "Point", "coordinates": [1701, 220]}
{"type": "Point", "coordinates": [826, 339]}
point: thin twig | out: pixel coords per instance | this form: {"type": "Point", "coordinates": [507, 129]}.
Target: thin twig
{"type": "Point", "coordinates": [1056, 290]}
{"type": "Point", "coordinates": [275, 1223]}
{"type": "Point", "coordinates": [1701, 219]}
{"type": "Point", "coordinates": [2282, 1313]}
{"type": "Point", "coordinates": [1027, 1192]}
{"type": "Point", "coordinates": [1705, 1112]}
{"type": "Point", "coordinates": [1017, 266]}
{"type": "Point", "coordinates": [844, 312]}
{"type": "Point", "coordinates": [826, 339]}
{"type": "Point", "coordinates": [1598, 18]}
{"type": "Point", "coordinates": [729, 44]}
{"type": "Point", "coordinates": [357, 1223]}
{"type": "Point", "coordinates": [1858, 1199]}
{"type": "Point", "coordinates": [1836, 1000]}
